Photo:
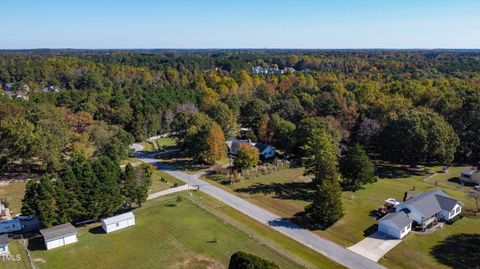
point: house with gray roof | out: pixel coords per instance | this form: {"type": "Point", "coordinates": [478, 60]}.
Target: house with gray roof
{"type": "Point", "coordinates": [431, 206]}
{"type": "Point", "coordinates": [396, 224]}
{"type": "Point", "coordinates": [4, 245]}
{"type": "Point", "coordinates": [59, 235]}
{"type": "Point", "coordinates": [423, 210]}
{"type": "Point", "coordinates": [470, 176]}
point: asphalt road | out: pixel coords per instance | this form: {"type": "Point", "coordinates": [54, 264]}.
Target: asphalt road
{"type": "Point", "coordinates": [328, 248]}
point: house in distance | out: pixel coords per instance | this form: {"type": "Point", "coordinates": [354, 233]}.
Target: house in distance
{"type": "Point", "coordinates": [118, 222]}
{"type": "Point", "coordinates": [59, 235]}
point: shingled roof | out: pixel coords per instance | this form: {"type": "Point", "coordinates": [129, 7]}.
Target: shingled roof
{"type": "Point", "coordinates": [57, 232]}
{"type": "Point", "coordinates": [399, 219]}
{"type": "Point", "coordinates": [431, 202]}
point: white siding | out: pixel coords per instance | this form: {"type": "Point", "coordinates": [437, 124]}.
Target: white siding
{"type": "Point", "coordinates": [388, 228]}
{"type": "Point", "coordinates": [61, 242]}
{"type": "Point", "coordinates": [4, 250]}
{"type": "Point", "coordinates": [118, 225]}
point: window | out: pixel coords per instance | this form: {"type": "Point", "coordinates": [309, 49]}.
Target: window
{"type": "Point", "coordinates": [118, 224]}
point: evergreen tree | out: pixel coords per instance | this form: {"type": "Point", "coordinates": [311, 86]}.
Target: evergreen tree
{"type": "Point", "coordinates": [29, 206]}
{"type": "Point", "coordinates": [69, 181]}
{"type": "Point", "coordinates": [45, 202]}
{"type": "Point", "coordinates": [88, 186]}
{"type": "Point", "coordinates": [144, 186]}
{"type": "Point", "coordinates": [242, 260]}
{"type": "Point", "coordinates": [109, 193]}
{"type": "Point", "coordinates": [129, 185]}
{"type": "Point", "coordinates": [326, 208]}
{"type": "Point", "coordinates": [322, 157]}
{"type": "Point", "coordinates": [356, 168]}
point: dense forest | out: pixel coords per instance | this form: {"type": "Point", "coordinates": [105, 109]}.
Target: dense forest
{"type": "Point", "coordinates": [404, 106]}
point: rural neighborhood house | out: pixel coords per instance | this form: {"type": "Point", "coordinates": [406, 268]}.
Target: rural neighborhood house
{"type": "Point", "coordinates": [118, 222]}
{"type": "Point", "coordinates": [58, 236]}
{"type": "Point", "coordinates": [424, 210]}
{"type": "Point", "coordinates": [4, 244]}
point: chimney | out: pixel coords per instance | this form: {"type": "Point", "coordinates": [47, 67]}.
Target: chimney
{"type": "Point", "coordinates": [405, 195]}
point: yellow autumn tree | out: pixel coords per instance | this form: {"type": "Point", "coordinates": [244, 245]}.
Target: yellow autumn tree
{"type": "Point", "coordinates": [217, 149]}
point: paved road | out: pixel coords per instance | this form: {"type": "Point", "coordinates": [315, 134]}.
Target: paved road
{"type": "Point", "coordinates": [335, 252]}
{"type": "Point", "coordinates": [168, 191]}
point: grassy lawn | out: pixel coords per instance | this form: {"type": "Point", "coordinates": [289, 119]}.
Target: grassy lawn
{"type": "Point", "coordinates": [166, 143]}
{"type": "Point", "coordinates": [286, 192]}
{"type": "Point", "coordinates": [168, 181]}
{"type": "Point", "coordinates": [166, 236]}
{"type": "Point", "coordinates": [296, 251]}
{"type": "Point", "coordinates": [14, 193]}
{"type": "Point", "coordinates": [18, 262]}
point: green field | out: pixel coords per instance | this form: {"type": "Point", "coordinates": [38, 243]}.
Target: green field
{"type": "Point", "coordinates": [21, 262]}
{"type": "Point", "coordinates": [14, 193]}
{"type": "Point", "coordinates": [159, 185]}
{"type": "Point", "coordinates": [165, 236]}
{"type": "Point", "coordinates": [286, 193]}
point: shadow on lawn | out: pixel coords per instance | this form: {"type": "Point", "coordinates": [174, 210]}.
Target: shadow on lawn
{"type": "Point", "coordinates": [292, 190]}
{"type": "Point", "coordinates": [458, 251]}
{"type": "Point", "coordinates": [96, 230]}
{"type": "Point", "coordinates": [397, 171]}
{"type": "Point", "coordinates": [36, 243]}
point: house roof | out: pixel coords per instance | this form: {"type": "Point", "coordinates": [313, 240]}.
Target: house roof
{"type": "Point", "coordinates": [3, 239]}
{"type": "Point", "coordinates": [469, 172]}
{"type": "Point", "coordinates": [58, 231]}
{"type": "Point", "coordinates": [118, 218]}
{"type": "Point", "coordinates": [235, 146]}
{"type": "Point", "coordinates": [399, 219]}
{"type": "Point", "coordinates": [431, 202]}
{"type": "Point", "coordinates": [261, 147]}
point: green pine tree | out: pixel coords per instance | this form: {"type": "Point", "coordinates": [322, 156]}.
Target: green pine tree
{"type": "Point", "coordinates": [356, 168]}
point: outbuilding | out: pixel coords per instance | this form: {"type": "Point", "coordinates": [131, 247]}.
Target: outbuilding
{"type": "Point", "coordinates": [60, 235]}
{"type": "Point", "coordinates": [118, 222]}
{"type": "Point", "coordinates": [4, 245]}
{"type": "Point", "coordinates": [396, 225]}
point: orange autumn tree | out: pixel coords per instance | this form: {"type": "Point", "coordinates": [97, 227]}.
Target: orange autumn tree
{"type": "Point", "coordinates": [216, 144]}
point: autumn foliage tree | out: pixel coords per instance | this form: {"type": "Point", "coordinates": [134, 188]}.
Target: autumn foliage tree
{"type": "Point", "coordinates": [247, 157]}
{"type": "Point", "coordinates": [216, 143]}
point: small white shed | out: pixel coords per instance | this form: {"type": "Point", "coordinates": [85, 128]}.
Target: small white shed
{"type": "Point", "coordinates": [4, 245]}
{"type": "Point", "coordinates": [118, 222]}
{"type": "Point", "coordinates": [60, 235]}
{"type": "Point", "coordinates": [396, 224]}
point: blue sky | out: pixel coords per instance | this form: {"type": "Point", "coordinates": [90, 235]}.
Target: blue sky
{"type": "Point", "coordinates": [239, 24]}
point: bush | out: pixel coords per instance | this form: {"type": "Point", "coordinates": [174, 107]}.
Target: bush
{"type": "Point", "coordinates": [242, 260]}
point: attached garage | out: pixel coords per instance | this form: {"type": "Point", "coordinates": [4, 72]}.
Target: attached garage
{"type": "Point", "coordinates": [118, 222]}
{"type": "Point", "coordinates": [396, 225]}
{"type": "Point", "coordinates": [58, 236]}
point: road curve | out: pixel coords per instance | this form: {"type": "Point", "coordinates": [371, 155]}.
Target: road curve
{"type": "Point", "coordinates": [329, 249]}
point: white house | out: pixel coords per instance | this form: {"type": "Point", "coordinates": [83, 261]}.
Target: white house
{"type": "Point", "coordinates": [430, 206]}
{"type": "Point", "coordinates": [118, 222]}
{"type": "Point", "coordinates": [396, 224]}
{"type": "Point", "coordinates": [59, 235]}
{"type": "Point", "coordinates": [4, 245]}
{"type": "Point", "coordinates": [470, 176]}
{"type": "Point", "coordinates": [265, 151]}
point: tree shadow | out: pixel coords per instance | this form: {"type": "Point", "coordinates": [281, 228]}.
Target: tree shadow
{"type": "Point", "coordinates": [96, 230]}
{"type": "Point", "coordinates": [383, 170]}
{"type": "Point", "coordinates": [292, 190]}
{"type": "Point", "coordinates": [458, 251]}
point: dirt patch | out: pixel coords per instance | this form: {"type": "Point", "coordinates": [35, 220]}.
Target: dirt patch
{"type": "Point", "coordinates": [39, 260]}
{"type": "Point", "coordinates": [199, 262]}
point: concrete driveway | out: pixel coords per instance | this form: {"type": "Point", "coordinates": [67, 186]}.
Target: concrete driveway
{"type": "Point", "coordinates": [375, 246]}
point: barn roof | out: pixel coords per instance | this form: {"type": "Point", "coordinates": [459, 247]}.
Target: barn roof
{"type": "Point", "coordinates": [58, 231]}
{"type": "Point", "coordinates": [118, 218]}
